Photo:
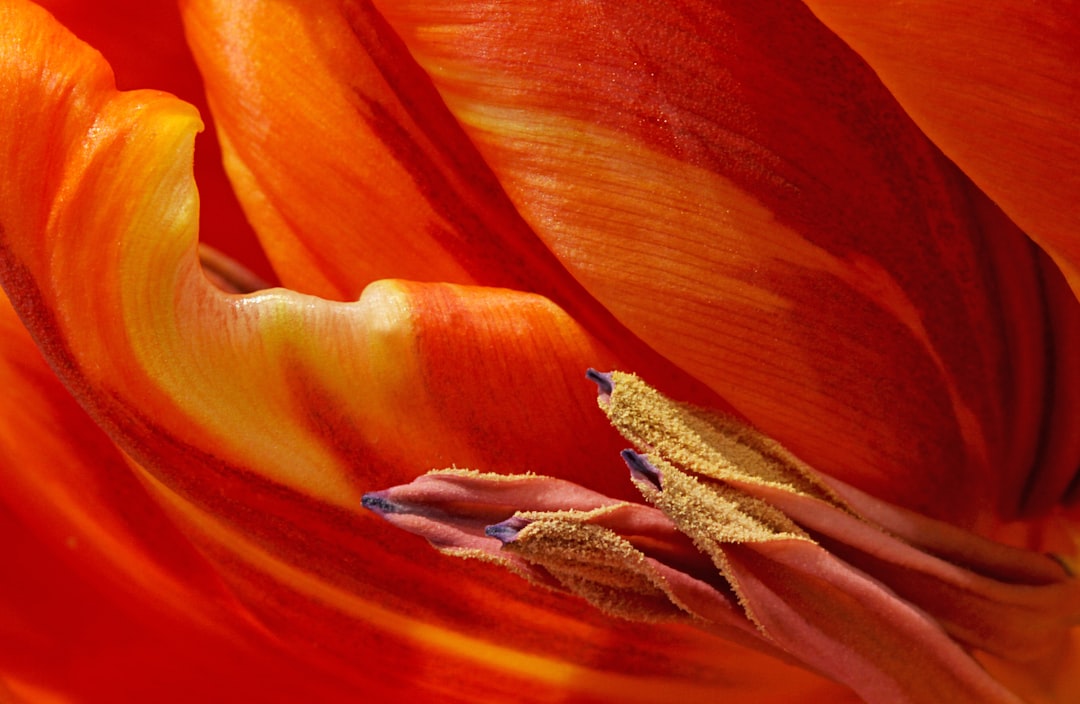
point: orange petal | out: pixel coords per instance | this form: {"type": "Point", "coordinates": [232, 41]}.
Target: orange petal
{"type": "Point", "coordinates": [73, 486]}
{"type": "Point", "coordinates": [353, 170]}
{"type": "Point", "coordinates": [345, 159]}
{"type": "Point", "coordinates": [102, 598]}
{"type": "Point", "coordinates": [739, 189]}
{"type": "Point", "coordinates": [144, 43]}
{"type": "Point", "coordinates": [258, 420]}
{"type": "Point", "coordinates": [67, 638]}
{"type": "Point", "coordinates": [997, 88]}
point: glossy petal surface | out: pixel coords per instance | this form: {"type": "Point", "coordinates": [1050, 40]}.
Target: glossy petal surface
{"type": "Point", "coordinates": [736, 185]}
{"type": "Point", "coordinates": [997, 88]}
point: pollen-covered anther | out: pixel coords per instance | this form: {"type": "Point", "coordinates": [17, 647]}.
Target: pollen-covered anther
{"type": "Point", "coordinates": [746, 541]}
{"type": "Point", "coordinates": [706, 443]}
{"type": "Point", "coordinates": [592, 560]}
{"type": "Point", "coordinates": [833, 576]}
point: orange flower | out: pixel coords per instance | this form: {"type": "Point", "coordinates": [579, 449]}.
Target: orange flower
{"type": "Point", "coordinates": [467, 205]}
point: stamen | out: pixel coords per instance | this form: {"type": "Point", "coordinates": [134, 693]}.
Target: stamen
{"type": "Point", "coordinates": [641, 469]}
{"type": "Point", "coordinates": [744, 539]}
{"type": "Point", "coordinates": [508, 530]}
{"type": "Point", "coordinates": [227, 273]}
{"type": "Point", "coordinates": [603, 382]}
{"type": "Point", "coordinates": [378, 502]}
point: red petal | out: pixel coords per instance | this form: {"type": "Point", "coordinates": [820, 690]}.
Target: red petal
{"type": "Point", "coordinates": [740, 190]}
{"type": "Point", "coordinates": [997, 88]}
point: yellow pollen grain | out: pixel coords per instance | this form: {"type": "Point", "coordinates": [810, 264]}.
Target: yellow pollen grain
{"type": "Point", "coordinates": [598, 565]}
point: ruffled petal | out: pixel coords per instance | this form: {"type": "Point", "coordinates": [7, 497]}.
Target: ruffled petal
{"type": "Point", "coordinates": [737, 186]}
{"type": "Point", "coordinates": [148, 339]}
{"type": "Point", "coordinates": [258, 420]}
{"type": "Point", "coordinates": [997, 88]}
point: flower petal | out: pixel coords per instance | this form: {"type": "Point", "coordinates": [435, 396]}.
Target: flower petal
{"type": "Point", "coordinates": [102, 598]}
{"type": "Point", "coordinates": [353, 170]}
{"type": "Point", "coordinates": [346, 161]}
{"type": "Point", "coordinates": [997, 89]}
{"type": "Point", "coordinates": [144, 43]}
{"type": "Point", "coordinates": [737, 186]}
{"type": "Point", "coordinates": [257, 420]}
{"type": "Point", "coordinates": [156, 341]}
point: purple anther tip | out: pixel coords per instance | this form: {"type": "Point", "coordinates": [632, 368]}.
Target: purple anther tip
{"type": "Point", "coordinates": [378, 502]}
{"type": "Point", "coordinates": [507, 531]}
{"type": "Point", "coordinates": [640, 468]}
{"type": "Point", "coordinates": [603, 381]}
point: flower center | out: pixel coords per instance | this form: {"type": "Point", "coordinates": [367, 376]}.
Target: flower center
{"type": "Point", "coordinates": [741, 538]}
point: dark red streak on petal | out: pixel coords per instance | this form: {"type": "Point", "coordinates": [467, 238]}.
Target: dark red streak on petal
{"type": "Point", "coordinates": [486, 225]}
{"type": "Point", "coordinates": [1055, 472]}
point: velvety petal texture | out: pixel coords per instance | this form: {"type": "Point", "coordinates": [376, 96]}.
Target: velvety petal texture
{"type": "Point", "coordinates": [763, 213]}
{"type": "Point", "coordinates": [997, 88]}
{"type": "Point", "coordinates": [257, 421]}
